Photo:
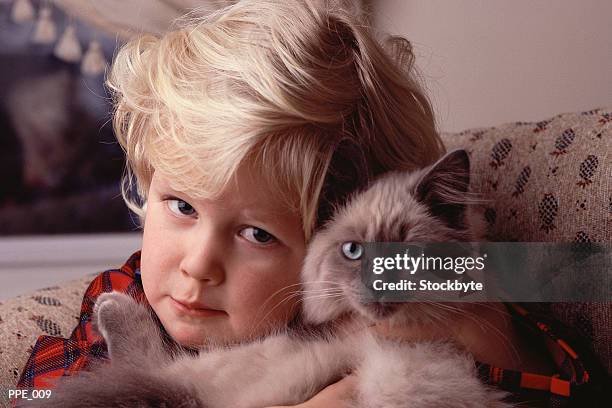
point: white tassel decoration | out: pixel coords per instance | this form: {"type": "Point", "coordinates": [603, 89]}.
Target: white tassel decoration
{"type": "Point", "coordinates": [68, 47]}
{"type": "Point", "coordinates": [22, 11]}
{"type": "Point", "coordinates": [45, 31]}
{"type": "Point", "coordinates": [94, 62]}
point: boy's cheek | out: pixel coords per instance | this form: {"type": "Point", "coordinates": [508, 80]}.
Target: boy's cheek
{"type": "Point", "coordinates": [153, 287]}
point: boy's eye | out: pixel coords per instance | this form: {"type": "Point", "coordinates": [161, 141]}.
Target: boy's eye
{"type": "Point", "coordinates": [180, 207]}
{"type": "Point", "coordinates": [257, 235]}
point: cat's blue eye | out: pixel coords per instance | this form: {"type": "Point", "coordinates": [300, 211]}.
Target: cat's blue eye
{"type": "Point", "coordinates": [257, 235]}
{"type": "Point", "coordinates": [352, 250]}
{"type": "Point", "coordinates": [180, 207]}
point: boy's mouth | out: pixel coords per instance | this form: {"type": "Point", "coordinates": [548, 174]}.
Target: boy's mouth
{"type": "Point", "coordinates": [195, 308]}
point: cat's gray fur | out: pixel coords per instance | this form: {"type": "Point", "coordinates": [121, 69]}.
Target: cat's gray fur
{"type": "Point", "coordinates": [432, 205]}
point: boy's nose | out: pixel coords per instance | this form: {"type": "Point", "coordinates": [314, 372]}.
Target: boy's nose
{"type": "Point", "coordinates": [203, 260]}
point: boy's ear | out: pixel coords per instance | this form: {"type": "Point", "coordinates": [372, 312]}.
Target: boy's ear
{"type": "Point", "coordinates": [443, 188]}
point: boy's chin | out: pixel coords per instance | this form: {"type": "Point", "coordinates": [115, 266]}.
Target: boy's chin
{"type": "Point", "coordinates": [194, 338]}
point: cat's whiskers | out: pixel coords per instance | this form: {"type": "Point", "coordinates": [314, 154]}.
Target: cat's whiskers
{"type": "Point", "coordinates": [504, 340]}
{"type": "Point", "coordinates": [335, 296]}
{"type": "Point", "coordinates": [290, 296]}
{"type": "Point", "coordinates": [321, 296]}
{"type": "Point", "coordinates": [300, 284]}
{"type": "Point", "coordinates": [432, 312]}
{"type": "Point", "coordinates": [316, 293]}
{"type": "Point", "coordinates": [262, 307]}
{"type": "Point", "coordinates": [482, 323]}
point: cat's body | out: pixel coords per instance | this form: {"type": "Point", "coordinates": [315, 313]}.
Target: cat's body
{"type": "Point", "coordinates": [287, 367]}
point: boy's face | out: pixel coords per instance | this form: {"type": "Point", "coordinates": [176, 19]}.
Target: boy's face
{"type": "Point", "coordinates": [236, 257]}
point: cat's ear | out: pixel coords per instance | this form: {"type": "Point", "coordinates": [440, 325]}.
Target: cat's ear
{"type": "Point", "coordinates": [443, 188]}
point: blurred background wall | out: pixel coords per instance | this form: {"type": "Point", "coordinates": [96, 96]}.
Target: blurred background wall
{"type": "Point", "coordinates": [492, 61]}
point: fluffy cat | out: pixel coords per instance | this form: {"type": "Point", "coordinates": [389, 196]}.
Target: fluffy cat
{"type": "Point", "coordinates": [289, 367]}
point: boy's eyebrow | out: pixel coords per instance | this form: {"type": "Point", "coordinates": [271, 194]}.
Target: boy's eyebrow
{"type": "Point", "coordinates": [163, 186]}
{"type": "Point", "coordinates": [261, 213]}
{"type": "Point", "coordinates": [276, 215]}
{"type": "Point", "coordinates": [280, 222]}
{"type": "Point", "coordinates": [251, 209]}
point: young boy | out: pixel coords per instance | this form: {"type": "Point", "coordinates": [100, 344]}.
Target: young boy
{"type": "Point", "coordinates": [242, 131]}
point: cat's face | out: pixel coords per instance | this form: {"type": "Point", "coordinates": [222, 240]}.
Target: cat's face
{"type": "Point", "coordinates": [428, 205]}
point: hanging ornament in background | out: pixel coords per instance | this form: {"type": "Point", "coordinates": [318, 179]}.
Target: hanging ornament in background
{"type": "Point", "coordinates": [45, 31]}
{"type": "Point", "coordinates": [93, 61]}
{"type": "Point", "coordinates": [68, 47]}
{"type": "Point", "coordinates": [22, 11]}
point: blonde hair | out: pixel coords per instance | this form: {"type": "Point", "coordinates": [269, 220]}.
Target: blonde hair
{"type": "Point", "coordinates": [301, 91]}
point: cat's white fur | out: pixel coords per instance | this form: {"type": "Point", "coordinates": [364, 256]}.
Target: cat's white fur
{"type": "Point", "coordinates": [287, 368]}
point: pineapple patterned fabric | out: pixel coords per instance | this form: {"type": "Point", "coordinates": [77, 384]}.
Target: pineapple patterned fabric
{"type": "Point", "coordinates": [52, 311]}
{"type": "Point", "coordinates": [547, 181]}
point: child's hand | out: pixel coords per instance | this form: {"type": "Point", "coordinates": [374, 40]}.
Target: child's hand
{"type": "Point", "coordinates": [334, 395]}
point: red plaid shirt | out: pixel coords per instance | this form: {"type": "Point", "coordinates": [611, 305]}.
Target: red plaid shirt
{"type": "Point", "coordinates": [54, 357]}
